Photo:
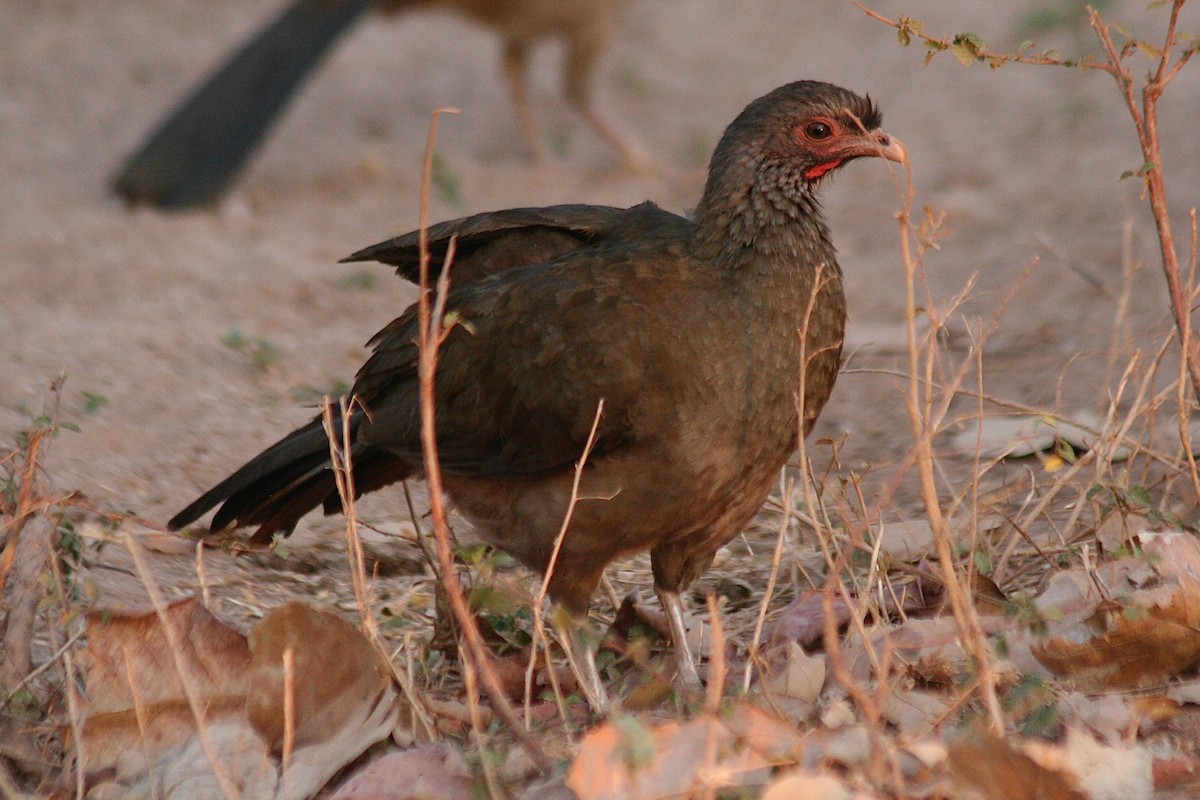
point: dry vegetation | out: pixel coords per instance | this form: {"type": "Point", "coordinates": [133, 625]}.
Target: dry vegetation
{"type": "Point", "coordinates": [1005, 608]}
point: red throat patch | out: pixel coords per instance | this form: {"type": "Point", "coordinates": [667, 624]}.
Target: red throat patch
{"type": "Point", "coordinates": [821, 169]}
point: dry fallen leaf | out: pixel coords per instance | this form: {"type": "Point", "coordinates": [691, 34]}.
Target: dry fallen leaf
{"type": "Point", "coordinates": [798, 675]}
{"type": "Point", "coordinates": [136, 707]}
{"type": "Point", "coordinates": [626, 758]}
{"type": "Point", "coordinates": [992, 769]}
{"type": "Point", "coordinates": [1126, 623]}
{"type": "Point", "coordinates": [142, 738]}
{"type": "Point", "coordinates": [343, 700]}
{"type": "Point", "coordinates": [915, 713]}
{"type": "Point", "coordinates": [805, 786]}
{"type": "Point", "coordinates": [426, 772]}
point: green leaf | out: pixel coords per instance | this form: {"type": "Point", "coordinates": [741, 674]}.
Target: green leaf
{"type": "Point", "coordinates": [966, 47]}
{"type": "Point", "coordinates": [906, 28]}
{"type": "Point", "coordinates": [983, 563]}
{"type": "Point", "coordinates": [1148, 49]}
{"type": "Point", "coordinates": [93, 402]}
{"type": "Point", "coordinates": [637, 746]}
{"type": "Point", "coordinates": [1139, 495]}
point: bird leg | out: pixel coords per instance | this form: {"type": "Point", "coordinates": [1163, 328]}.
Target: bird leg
{"type": "Point", "coordinates": [515, 61]}
{"type": "Point", "coordinates": [580, 64]}
{"type": "Point", "coordinates": [580, 645]}
{"type": "Point", "coordinates": [686, 676]}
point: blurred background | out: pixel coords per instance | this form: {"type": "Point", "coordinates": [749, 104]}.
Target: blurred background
{"type": "Point", "coordinates": [190, 340]}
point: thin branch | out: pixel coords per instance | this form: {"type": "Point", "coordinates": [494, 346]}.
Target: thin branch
{"type": "Point", "coordinates": [430, 336]}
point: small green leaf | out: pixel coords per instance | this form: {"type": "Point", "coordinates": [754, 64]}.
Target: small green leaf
{"type": "Point", "coordinates": [637, 746]}
{"type": "Point", "coordinates": [1139, 495]}
{"type": "Point", "coordinates": [235, 339]}
{"type": "Point", "coordinates": [983, 563]}
{"type": "Point", "coordinates": [93, 402]}
{"type": "Point", "coordinates": [966, 47]}
{"type": "Point", "coordinates": [1148, 49]}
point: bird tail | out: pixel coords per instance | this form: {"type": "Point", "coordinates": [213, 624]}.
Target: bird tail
{"type": "Point", "coordinates": [290, 478]}
{"type": "Point", "coordinates": [197, 151]}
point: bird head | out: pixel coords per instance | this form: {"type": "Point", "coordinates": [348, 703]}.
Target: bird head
{"type": "Point", "coordinates": [802, 131]}
{"type": "Point", "coordinates": [760, 195]}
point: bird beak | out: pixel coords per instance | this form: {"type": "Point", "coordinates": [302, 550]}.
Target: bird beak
{"type": "Point", "coordinates": [878, 144]}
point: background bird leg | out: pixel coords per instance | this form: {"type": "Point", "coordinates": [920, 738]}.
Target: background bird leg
{"type": "Point", "coordinates": [515, 62]}
{"type": "Point", "coordinates": [582, 53]}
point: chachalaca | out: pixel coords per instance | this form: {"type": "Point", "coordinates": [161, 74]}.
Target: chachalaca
{"type": "Point", "coordinates": [195, 154]}
{"type": "Point", "coordinates": [703, 338]}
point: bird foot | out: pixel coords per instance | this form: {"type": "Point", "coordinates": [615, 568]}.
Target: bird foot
{"type": "Point", "coordinates": [687, 678]}
{"type": "Point", "coordinates": [580, 646]}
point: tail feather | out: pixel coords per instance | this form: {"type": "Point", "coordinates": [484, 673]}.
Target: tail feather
{"type": "Point", "coordinates": [287, 480]}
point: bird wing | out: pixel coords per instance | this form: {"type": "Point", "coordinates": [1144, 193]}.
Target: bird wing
{"type": "Point", "coordinates": [494, 241]}
{"type": "Point", "coordinates": [532, 350]}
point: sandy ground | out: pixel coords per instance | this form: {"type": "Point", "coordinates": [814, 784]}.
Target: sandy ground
{"type": "Point", "coordinates": [136, 307]}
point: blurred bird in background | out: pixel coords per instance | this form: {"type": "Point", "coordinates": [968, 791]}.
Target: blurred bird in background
{"type": "Point", "coordinates": [195, 155]}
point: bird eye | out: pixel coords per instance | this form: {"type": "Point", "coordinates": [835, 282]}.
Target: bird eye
{"type": "Point", "coordinates": [818, 130]}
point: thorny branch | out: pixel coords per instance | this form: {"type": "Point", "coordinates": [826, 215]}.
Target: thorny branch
{"type": "Point", "coordinates": [1171, 58]}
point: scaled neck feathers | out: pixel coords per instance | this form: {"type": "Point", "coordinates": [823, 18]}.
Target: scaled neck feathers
{"type": "Point", "coordinates": [756, 211]}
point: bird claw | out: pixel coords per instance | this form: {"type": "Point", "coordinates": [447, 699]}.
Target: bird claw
{"type": "Point", "coordinates": [581, 657]}
{"type": "Point", "coordinates": [687, 677]}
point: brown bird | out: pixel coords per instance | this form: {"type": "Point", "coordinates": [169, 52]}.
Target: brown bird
{"type": "Point", "coordinates": [196, 152]}
{"type": "Point", "coordinates": [703, 338]}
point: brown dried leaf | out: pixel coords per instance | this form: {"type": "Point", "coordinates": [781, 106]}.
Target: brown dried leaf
{"type": "Point", "coordinates": [992, 769]}
{"type": "Point", "coordinates": [915, 713]}
{"type": "Point", "coordinates": [122, 645]}
{"type": "Point", "coordinates": [242, 769]}
{"type": "Point", "coordinates": [171, 544]}
{"type": "Point", "coordinates": [340, 682]}
{"type": "Point", "coordinates": [802, 785]}
{"type": "Point", "coordinates": [1142, 640]}
{"type": "Point", "coordinates": [802, 620]}
{"type": "Point", "coordinates": [1118, 529]}
{"type": "Point", "coordinates": [625, 758]}
{"type": "Point", "coordinates": [136, 708]}
{"type": "Point", "coordinates": [427, 772]}
{"type": "Point", "coordinates": [798, 675]}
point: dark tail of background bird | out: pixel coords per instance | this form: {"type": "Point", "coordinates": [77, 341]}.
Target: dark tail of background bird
{"type": "Point", "coordinates": [197, 151]}
{"type": "Point", "coordinates": [290, 478]}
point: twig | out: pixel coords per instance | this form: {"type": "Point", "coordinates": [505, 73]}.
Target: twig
{"type": "Point", "coordinates": [539, 626]}
{"type": "Point", "coordinates": [194, 701]}
{"type": "Point", "coordinates": [753, 655]}
{"type": "Point", "coordinates": [430, 336]}
{"type": "Point", "coordinates": [919, 405]}
{"type": "Point", "coordinates": [1145, 121]}
{"type": "Point", "coordinates": [968, 50]}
